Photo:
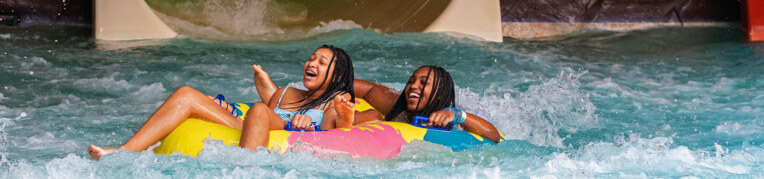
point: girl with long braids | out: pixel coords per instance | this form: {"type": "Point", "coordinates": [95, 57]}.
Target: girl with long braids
{"type": "Point", "coordinates": [327, 75]}
{"type": "Point", "coordinates": [429, 92]}
{"type": "Point", "coordinates": [308, 105]}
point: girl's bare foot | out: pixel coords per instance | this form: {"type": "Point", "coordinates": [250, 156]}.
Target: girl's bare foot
{"type": "Point", "coordinates": [98, 152]}
{"type": "Point", "coordinates": [345, 111]}
{"type": "Point", "coordinates": [260, 74]}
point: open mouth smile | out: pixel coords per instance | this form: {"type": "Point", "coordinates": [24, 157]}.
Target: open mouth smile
{"type": "Point", "coordinates": [310, 73]}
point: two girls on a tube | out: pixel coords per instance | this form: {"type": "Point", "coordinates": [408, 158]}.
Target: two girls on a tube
{"type": "Point", "coordinates": [328, 101]}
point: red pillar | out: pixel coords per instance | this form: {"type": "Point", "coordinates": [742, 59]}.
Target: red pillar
{"type": "Point", "coordinates": [753, 20]}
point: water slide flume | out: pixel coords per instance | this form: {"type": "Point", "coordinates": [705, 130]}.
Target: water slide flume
{"type": "Point", "coordinates": [260, 19]}
{"type": "Point", "coordinates": [373, 139]}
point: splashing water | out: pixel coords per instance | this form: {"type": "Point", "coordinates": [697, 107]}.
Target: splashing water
{"type": "Point", "coordinates": [659, 103]}
{"type": "Point", "coordinates": [242, 20]}
{"type": "Point", "coordinates": [539, 113]}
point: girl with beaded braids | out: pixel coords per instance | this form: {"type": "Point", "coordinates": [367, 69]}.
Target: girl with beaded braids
{"type": "Point", "coordinates": [429, 92]}
{"type": "Point", "coordinates": [327, 74]}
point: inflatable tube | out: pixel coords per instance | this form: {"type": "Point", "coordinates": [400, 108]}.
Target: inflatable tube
{"type": "Point", "coordinates": [373, 139]}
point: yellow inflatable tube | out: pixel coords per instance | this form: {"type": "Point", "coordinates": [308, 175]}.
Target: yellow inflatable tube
{"type": "Point", "coordinates": [187, 138]}
{"type": "Point", "coordinates": [372, 139]}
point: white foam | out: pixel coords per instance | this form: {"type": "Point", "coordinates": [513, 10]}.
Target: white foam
{"type": "Point", "coordinates": [40, 61]}
{"type": "Point", "coordinates": [759, 99]}
{"type": "Point", "coordinates": [71, 166]}
{"type": "Point", "coordinates": [33, 62]}
{"type": "Point", "coordinates": [425, 151]}
{"type": "Point", "coordinates": [544, 177]}
{"type": "Point", "coordinates": [5, 36]}
{"type": "Point", "coordinates": [724, 85]}
{"type": "Point", "coordinates": [631, 156]}
{"type": "Point", "coordinates": [398, 87]}
{"type": "Point", "coordinates": [23, 169]}
{"type": "Point", "coordinates": [740, 129]}
{"type": "Point", "coordinates": [561, 163]}
{"type": "Point", "coordinates": [684, 69]}
{"type": "Point", "coordinates": [537, 114]}
{"type": "Point", "coordinates": [4, 143]}
{"type": "Point", "coordinates": [149, 94]}
{"type": "Point", "coordinates": [333, 25]}
{"type": "Point", "coordinates": [493, 173]}
{"type": "Point", "coordinates": [211, 70]}
{"type": "Point", "coordinates": [249, 91]}
{"type": "Point", "coordinates": [43, 138]}
{"type": "Point", "coordinates": [605, 83]}
{"type": "Point", "coordinates": [245, 20]}
{"type": "Point", "coordinates": [260, 163]}
{"type": "Point", "coordinates": [103, 85]}
{"type": "Point", "coordinates": [4, 122]}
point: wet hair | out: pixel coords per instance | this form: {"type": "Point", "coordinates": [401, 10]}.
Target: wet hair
{"type": "Point", "coordinates": [442, 95]}
{"type": "Point", "coordinates": [340, 83]}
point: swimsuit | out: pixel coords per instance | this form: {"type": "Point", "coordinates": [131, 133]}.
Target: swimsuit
{"type": "Point", "coordinates": [316, 115]}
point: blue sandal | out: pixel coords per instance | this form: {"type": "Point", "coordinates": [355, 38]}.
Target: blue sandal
{"type": "Point", "coordinates": [220, 99]}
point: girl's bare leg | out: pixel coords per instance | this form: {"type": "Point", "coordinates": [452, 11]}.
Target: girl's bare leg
{"type": "Point", "coordinates": [182, 104]}
{"type": "Point", "coordinates": [258, 123]}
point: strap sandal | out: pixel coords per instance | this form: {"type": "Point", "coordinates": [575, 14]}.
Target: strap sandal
{"type": "Point", "coordinates": [221, 99]}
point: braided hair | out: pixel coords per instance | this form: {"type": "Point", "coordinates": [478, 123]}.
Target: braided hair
{"type": "Point", "coordinates": [340, 83]}
{"type": "Point", "coordinates": [442, 95]}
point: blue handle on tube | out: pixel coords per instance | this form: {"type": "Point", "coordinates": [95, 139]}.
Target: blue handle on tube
{"type": "Point", "coordinates": [288, 127]}
{"type": "Point", "coordinates": [419, 121]}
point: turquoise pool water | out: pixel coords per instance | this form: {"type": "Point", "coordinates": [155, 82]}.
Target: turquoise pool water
{"type": "Point", "coordinates": [668, 102]}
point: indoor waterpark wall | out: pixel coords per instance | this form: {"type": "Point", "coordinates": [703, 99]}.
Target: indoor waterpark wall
{"type": "Point", "coordinates": [576, 88]}
{"type": "Point", "coordinates": [519, 19]}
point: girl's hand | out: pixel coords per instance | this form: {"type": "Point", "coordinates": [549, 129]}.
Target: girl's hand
{"type": "Point", "coordinates": [301, 121]}
{"type": "Point", "coordinates": [441, 118]}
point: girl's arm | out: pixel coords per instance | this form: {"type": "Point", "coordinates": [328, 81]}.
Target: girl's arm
{"type": "Point", "coordinates": [381, 97]}
{"type": "Point", "coordinates": [472, 123]}
{"type": "Point", "coordinates": [368, 115]}
{"type": "Point", "coordinates": [481, 127]}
